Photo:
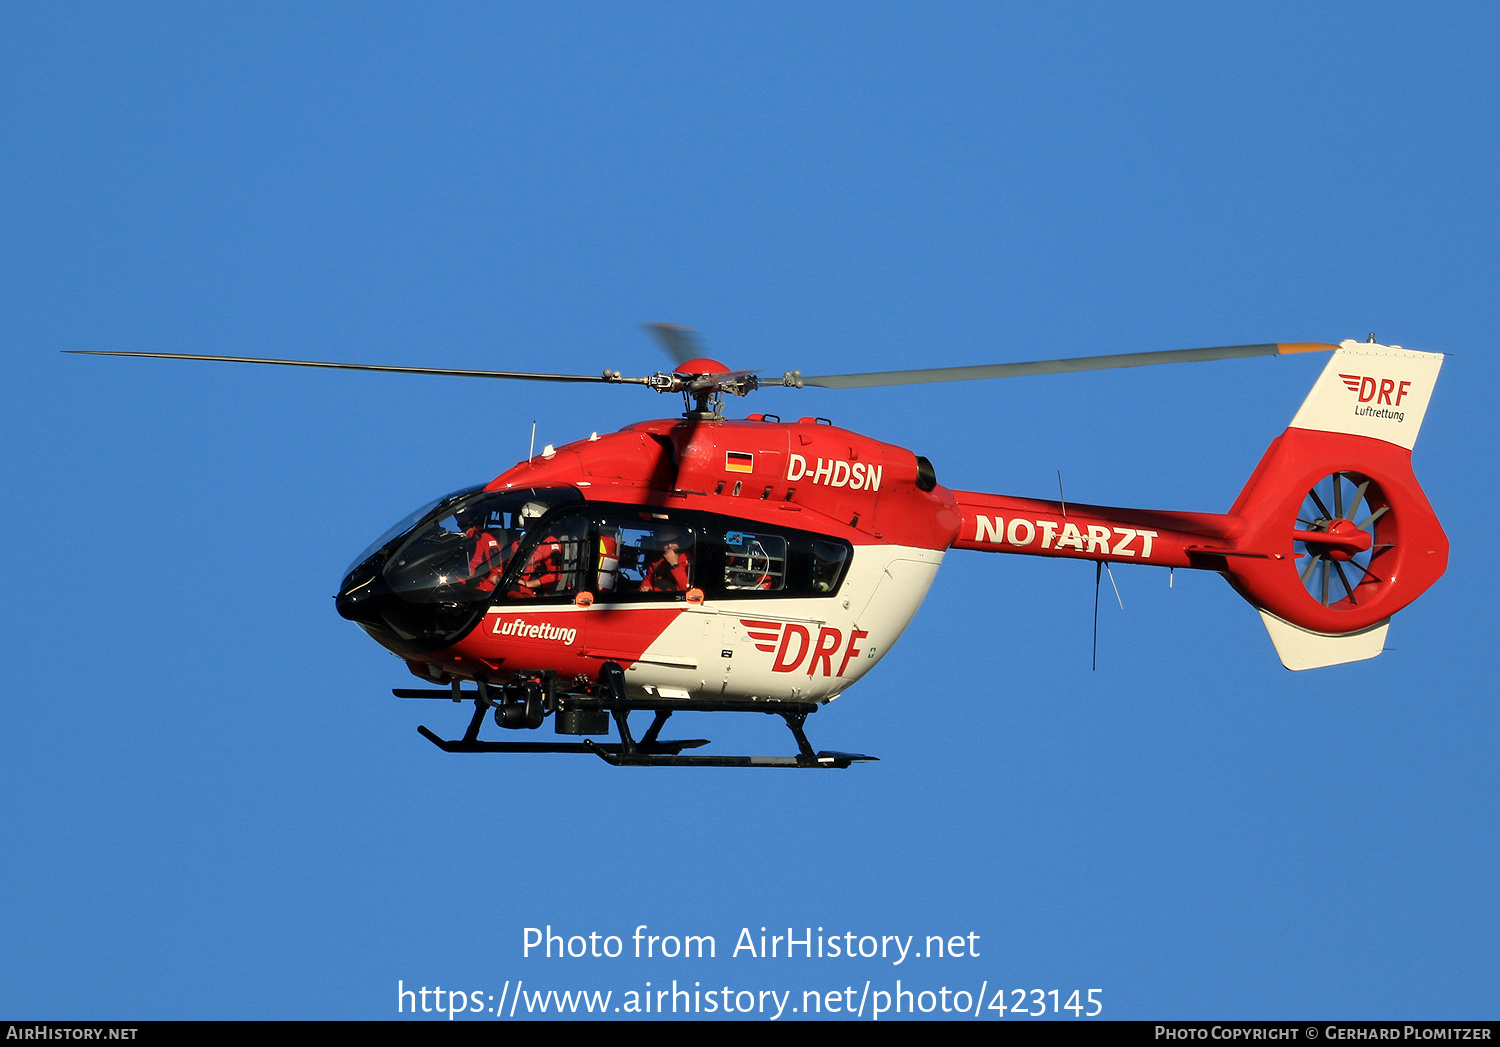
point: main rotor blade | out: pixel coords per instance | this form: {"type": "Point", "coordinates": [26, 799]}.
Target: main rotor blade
{"type": "Point", "coordinates": [1077, 363]}
{"type": "Point", "coordinates": [681, 343]}
{"type": "Point", "coordinates": [611, 377]}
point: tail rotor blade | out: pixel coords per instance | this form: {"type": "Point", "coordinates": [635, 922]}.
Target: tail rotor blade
{"type": "Point", "coordinates": [1359, 496]}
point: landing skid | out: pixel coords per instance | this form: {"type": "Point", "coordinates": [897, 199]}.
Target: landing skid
{"type": "Point", "coordinates": [609, 697]}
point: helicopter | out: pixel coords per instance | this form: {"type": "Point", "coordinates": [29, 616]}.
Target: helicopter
{"type": "Point", "coordinates": [712, 564]}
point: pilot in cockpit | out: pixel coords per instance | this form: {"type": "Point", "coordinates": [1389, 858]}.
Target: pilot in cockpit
{"type": "Point", "coordinates": [486, 558]}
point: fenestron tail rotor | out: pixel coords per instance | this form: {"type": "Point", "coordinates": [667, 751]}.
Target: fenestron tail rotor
{"type": "Point", "coordinates": [1344, 530]}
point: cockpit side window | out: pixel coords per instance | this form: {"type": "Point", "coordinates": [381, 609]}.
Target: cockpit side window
{"type": "Point", "coordinates": [551, 560]}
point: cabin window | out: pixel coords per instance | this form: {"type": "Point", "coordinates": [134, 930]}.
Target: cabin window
{"type": "Point", "coordinates": [826, 568]}
{"type": "Point", "coordinates": [657, 554]}
{"type": "Point", "coordinates": [650, 557]}
{"type": "Point", "coordinates": [739, 560]}
{"type": "Point", "coordinates": [755, 562]}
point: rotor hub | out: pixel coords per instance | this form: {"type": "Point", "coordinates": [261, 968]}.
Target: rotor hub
{"type": "Point", "coordinates": [1348, 540]}
{"type": "Point", "coordinates": [699, 365]}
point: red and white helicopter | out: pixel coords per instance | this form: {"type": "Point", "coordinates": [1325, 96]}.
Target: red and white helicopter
{"type": "Point", "coordinates": [710, 564]}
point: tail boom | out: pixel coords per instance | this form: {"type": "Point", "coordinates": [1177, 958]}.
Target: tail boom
{"type": "Point", "coordinates": [998, 523]}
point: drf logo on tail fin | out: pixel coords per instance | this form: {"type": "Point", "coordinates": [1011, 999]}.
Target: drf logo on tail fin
{"type": "Point", "coordinates": [1377, 390]}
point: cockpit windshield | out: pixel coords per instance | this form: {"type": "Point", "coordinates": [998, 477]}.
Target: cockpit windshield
{"type": "Point", "coordinates": [407, 522]}
{"type": "Point", "coordinates": [429, 579]}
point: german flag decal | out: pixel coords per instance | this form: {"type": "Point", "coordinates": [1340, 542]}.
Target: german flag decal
{"type": "Point", "coordinates": [739, 462]}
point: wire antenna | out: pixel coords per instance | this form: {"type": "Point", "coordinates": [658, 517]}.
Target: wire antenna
{"type": "Point", "coordinates": [1098, 573]}
{"type": "Point", "coordinates": [1113, 586]}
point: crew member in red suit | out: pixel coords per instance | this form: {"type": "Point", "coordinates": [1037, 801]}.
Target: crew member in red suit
{"type": "Point", "coordinates": [670, 573]}
{"type": "Point", "coordinates": [543, 571]}
{"type": "Point", "coordinates": [485, 562]}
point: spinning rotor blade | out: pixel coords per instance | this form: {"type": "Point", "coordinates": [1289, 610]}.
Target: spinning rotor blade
{"type": "Point", "coordinates": [1077, 363]}
{"type": "Point", "coordinates": [609, 377]}
{"type": "Point", "coordinates": [681, 343]}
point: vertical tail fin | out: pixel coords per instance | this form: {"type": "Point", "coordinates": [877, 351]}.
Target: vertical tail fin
{"type": "Point", "coordinates": [1378, 391]}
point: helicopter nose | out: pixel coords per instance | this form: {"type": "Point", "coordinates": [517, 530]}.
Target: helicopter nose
{"type": "Point", "coordinates": [355, 604]}
{"type": "Point", "coordinates": [362, 594]}
{"type": "Point", "coordinates": [407, 616]}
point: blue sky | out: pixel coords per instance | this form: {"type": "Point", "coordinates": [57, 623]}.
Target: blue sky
{"type": "Point", "coordinates": [214, 808]}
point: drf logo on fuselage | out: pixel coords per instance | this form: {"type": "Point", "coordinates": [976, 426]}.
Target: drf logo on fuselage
{"type": "Point", "coordinates": [833, 472]}
{"type": "Point", "coordinates": [794, 646]}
